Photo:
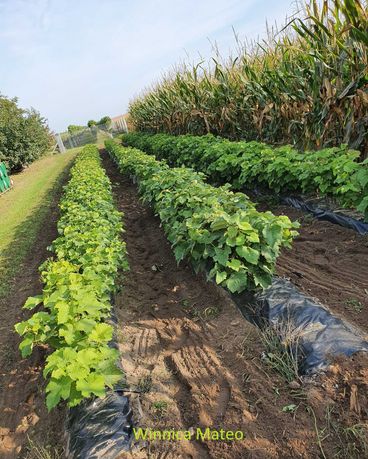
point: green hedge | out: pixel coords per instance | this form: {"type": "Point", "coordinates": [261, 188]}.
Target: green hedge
{"type": "Point", "coordinates": [213, 227]}
{"type": "Point", "coordinates": [24, 135]}
{"type": "Point", "coordinates": [333, 172]}
{"type": "Point", "coordinates": [78, 284]}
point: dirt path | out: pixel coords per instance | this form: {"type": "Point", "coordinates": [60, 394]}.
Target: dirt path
{"type": "Point", "coordinates": [23, 412]}
{"type": "Point", "coordinates": [330, 263]}
{"type": "Point", "coordinates": [195, 360]}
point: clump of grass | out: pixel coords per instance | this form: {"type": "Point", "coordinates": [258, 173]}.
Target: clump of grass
{"type": "Point", "coordinates": [36, 451]}
{"type": "Point", "coordinates": [145, 384]}
{"type": "Point", "coordinates": [351, 441]}
{"type": "Point", "coordinates": [159, 408]}
{"type": "Point", "coordinates": [282, 350]}
{"type": "Point", "coordinates": [354, 305]}
{"type": "Point", "coordinates": [289, 408]}
{"type": "Point", "coordinates": [210, 313]}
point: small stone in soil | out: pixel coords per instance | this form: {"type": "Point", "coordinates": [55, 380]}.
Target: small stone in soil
{"type": "Point", "coordinates": [294, 385]}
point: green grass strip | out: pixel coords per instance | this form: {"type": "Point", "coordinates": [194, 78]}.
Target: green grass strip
{"type": "Point", "coordinates": [23, 210]}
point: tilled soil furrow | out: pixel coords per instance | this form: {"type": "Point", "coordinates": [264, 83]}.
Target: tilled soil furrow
{"type": "Point", "coordinates": [206, 372]}
{"type": "Point", "coordinates": [330, 263]}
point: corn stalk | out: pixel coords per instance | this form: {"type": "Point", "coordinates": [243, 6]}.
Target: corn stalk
{"type": "Point", "coordinates": [306, 85]}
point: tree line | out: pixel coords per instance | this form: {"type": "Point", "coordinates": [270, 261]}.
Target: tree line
{"type": "Point", "coordinates": [24, 134]}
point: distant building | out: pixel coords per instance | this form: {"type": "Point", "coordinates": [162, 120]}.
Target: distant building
{"type": "Point", "coordinates": [119, 124]}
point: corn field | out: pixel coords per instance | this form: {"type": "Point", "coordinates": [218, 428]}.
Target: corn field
{"type": "Point", "coordinates": [306, 85]}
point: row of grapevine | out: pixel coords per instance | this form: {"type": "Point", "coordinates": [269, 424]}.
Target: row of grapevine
{"type": "Point", "coordinates": [333, 171]}
{"type": "Point", "coordinates": [213, 227]}
{"type": "Point", "coordinates": [78, 284]}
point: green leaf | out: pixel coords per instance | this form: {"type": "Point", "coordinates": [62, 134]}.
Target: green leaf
{"type": "Point", "coordinates": [253, 237]}
{"type": "Point", "coordinates": [26, 347]}
{"type": "Point", "coordinates": [52, 399]}
{"type": "Point", "coordinates": [362, 177]}
{"type": "Point", "coordinates": [220, 276]}
{"type": "Point", "coordinates": [263, 280]}
{"type": "Point", "coordinates": [240, 240]}
{"type": "Point", "coordinates": [57, 389]}
{"type": "Point", "coordinates": [77, 371]}
{"type": "Point", "coordinates": [58, 373]}
{"type": "Point", "coordinates": [363, 206]}
{"type": "Point", "coordinates": [21, 327]}
{"type": "Point", "coordinates": [68, 334]}
{"type": "Point", "coordinates": [222, 255]}
{"type": "Point", "coordinates": [232, 232]}
{"type": "Point", "coordinates": [33, 301]}
{"type": "Point", "coordinates": [63, 312]}
{"type": "Point", "coordinates": [269, 254]}
{"type": "Point", "coordinates": [249, 254]}
{"type": "Point", "coordinates": [88, 356]}
{"type": "Point", "coordinates": [245, 226]}
{"type": "Point", "coordinates": [102, 333]}
{"type": "Point", "coordinates": [86, 325]}
{"type": "Point", "coordinates": [179, 252]}
{"type": "Point", "coordinates": [272, 234]}
{"type": "Point", "coordinates": [234, 264]}
{"type": "Point", "coordinates": [237, 282]}
{"type": "Point", "coordinates": [219, 224]}
{"type": "Point", "coordinates": [93, 384]}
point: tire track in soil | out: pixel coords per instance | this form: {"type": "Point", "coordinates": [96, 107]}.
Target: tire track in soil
{"type": "Point", "coordinates": [199, 373]}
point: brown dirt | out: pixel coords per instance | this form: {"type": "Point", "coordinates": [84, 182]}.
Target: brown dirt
{"type": "Point", "coordinates": [23, 413]}
{"type": "Point", "coordinates": [330, 263]}
{"type": "Point", "coordinates": [196, 362]}
{"type": "Point", "coordinates": [194, 359]}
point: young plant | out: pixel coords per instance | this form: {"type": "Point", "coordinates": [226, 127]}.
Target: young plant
{"type": "Point", "coordinates": [333, 172]}
{"type": "Point", "coordinates": [216, 229]}
{"type": "Point", "coordinates": [78, 284]}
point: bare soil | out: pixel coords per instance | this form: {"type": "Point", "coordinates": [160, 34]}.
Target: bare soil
{"type": "Point", "coordinates": [192, 361]}
{"type": "Point", "coordinates": [23, 413]}
{"type": "Point", "coordinates": [330, 263]}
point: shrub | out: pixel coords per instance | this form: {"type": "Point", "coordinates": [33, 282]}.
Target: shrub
{"type": "Point", "coordinates": [24, 134]}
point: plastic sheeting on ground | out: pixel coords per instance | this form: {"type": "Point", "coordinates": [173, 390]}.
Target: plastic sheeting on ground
{"type": "Point", "coordinates": [327, 215]}
{"type": "Point", "coordinates": [99, 428]}
{"type": "Point", "coordinates": [312, 327]}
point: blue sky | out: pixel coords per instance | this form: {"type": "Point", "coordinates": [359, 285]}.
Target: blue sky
{"type": "Point", "coordinates": [80, 60]}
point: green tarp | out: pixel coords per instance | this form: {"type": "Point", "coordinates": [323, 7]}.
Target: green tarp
{"type": "Point", "coordinates": [4, 178]}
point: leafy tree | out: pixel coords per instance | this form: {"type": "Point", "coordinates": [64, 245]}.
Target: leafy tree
{"type": "Point", "coordinates": [74, 128]}
{"type": "Point", "coordinates": [24, 134]}
{"type": "Point", "coordinates": [91, 123]}
{"type": "Point", "coordinates": [106, 120]}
